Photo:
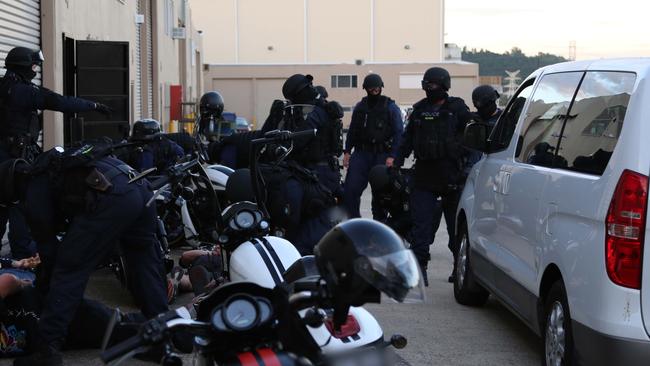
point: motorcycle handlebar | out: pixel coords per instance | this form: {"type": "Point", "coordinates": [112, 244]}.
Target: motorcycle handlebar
{"type": "Point", "coordinates": [282, 135]}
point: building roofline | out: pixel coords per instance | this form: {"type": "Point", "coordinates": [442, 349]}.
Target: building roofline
{"type": "Point", "coordinates": [452, 62]}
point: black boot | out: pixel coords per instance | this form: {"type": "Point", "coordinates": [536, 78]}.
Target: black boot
{"type": "Point", "coordinates": [452, 276]}
{"type": "Point", "coordinates": [45, 355]}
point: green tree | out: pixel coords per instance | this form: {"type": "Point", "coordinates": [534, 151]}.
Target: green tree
{"type": "Point", "coordinates": [496, 64]}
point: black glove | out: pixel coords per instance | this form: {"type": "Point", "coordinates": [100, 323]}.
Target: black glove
{"type": "Point", "coordinates": [277, 109]}
{"type": "Point", "coordinates": [103, 109]}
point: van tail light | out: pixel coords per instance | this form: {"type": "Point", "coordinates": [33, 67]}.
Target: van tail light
{"type": "Point", "coordinates": [625, 230]}
{"type": "Point", "coordinates": [350, 328]}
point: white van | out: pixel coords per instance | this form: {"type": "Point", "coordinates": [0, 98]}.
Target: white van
{"type": "Point", "coordinates": [553, 219]}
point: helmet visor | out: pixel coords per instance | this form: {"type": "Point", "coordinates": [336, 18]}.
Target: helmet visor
{"type": "Point", "coordinates": [396, 274]}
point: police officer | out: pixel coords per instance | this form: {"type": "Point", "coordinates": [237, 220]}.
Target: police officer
{"type": "Point", "coordinates": [306, 110]}
{"type": "Point", "coordinates": [20, 126]}
{"type": "Point", "coordinates": [156, 150]}
{"type": "Point", "coordinates": [211, 123]}
{"type": "Point", "coordinates": [95, 197]}
{"type": "Point", "coordinates": [484, 98]}
{"type": "Point", "coordinates": [374, 135]}
{"type": "Point", "coordinates": [433, 134]}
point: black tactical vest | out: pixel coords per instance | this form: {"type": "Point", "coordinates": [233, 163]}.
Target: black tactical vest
{"type": "Point", "coordinates": [434, 134]}
{"type": "Point", "coordinates": [14, 122]}
{"type": "Point", "coordinates": [376, 132]}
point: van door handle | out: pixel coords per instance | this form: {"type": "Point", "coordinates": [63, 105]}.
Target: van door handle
{"type": "Point", "coordinates": [505, 183]}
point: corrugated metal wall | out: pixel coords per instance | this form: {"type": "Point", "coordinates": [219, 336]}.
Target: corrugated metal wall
{"type": "Point", "coordinates": [137, 93]}
{"type": "Point", "coordinates": [150, 67]}
{"type": "Point", "coordinates": [20, 25]}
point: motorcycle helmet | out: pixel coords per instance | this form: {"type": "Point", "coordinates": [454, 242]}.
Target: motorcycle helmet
{"type": "Point", "coordinates": [211, 104]}
{"type": "Point", "coordinates": [145, 129]}
{"type": "Point", "coordinates": [9, 185]}
{"type": "Point", "coordinates": [438, 76]}
{"type": "Point", "coordinates": [372, 81]}
{"type": "Point", "coordinates": [360, 257]}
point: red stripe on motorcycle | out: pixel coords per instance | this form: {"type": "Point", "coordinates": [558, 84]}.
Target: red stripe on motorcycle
{"type": "Point", "coordinates": [269, 357]}
{"type": "Point", "coordinates": [247, 359]}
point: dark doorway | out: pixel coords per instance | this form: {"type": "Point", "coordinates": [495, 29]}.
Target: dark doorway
{"type": "Point", "coordinates": [98, 71]}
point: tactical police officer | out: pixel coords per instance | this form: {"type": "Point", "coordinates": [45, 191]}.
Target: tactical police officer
{"type": "Point", "coordinates": [484, 98]}
{"type": "Point", "coordinates": [433, 135]}
{"type": "Point", "coordinates": [306, 110]}
{"type": "Point", "coordinates": [156, 150]}
{"type": "Point", "coordinates": [374, 135]}
{"type": "Point", "coordinates": [20, 126]}
{"type": "Point", "coordinates": [92, 193]}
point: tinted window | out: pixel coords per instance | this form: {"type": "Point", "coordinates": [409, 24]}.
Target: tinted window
{"type": "Point", "coordinates": [505, 127]}
{"type": "Point", "coordinates": [545, 116]}
{"type": "Point", "coordinates": [595, 121]}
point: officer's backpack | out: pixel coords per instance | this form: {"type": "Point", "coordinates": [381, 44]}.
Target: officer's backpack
{"type": "Point", "coordinates": [316, 197]}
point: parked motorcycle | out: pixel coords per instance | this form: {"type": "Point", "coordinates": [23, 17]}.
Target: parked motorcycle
{"type": "Point", "coordinates": [243, 323]}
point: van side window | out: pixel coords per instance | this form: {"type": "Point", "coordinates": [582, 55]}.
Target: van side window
{"type": "Point", "coordinates": [596, 119]}
{"type": "Point", "coordinates": [545, 116]}
{"type": "Point", "coordinates": [507, 123]}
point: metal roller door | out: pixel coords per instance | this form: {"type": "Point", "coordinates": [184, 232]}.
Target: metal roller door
{"type": "Point", "coordinates": [20, 25]}
{"type": "Point", "coordinates": [137, 83]}
{"type": "Point", "coordinates": [150, 67]}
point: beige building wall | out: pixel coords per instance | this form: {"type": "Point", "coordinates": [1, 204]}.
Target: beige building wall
{"type": "Point", "coordinates": [321, 31]}
{"type": "Point", "coordinates": [408, 31]}
{"type": "Point", "coordinates": [114, 20]}
{"type": "Point", "coordinates": [249, 90]}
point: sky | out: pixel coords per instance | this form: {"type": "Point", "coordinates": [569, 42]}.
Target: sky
{"type": "Point", "coordinates": [614, 28]}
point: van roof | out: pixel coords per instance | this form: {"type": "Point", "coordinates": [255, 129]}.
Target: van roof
{"type": "Point", "coordinates": [640, 65]}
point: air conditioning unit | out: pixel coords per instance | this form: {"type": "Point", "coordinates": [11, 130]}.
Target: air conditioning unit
{"type": "Point", "coordinates": [179, 33]}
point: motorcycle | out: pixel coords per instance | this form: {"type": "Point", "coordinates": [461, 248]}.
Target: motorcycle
{"type": "Point", "coordinates": [245, 323]}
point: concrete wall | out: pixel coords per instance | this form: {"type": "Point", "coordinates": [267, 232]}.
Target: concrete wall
{"type": "Point", "coordinates": [114, 20]}
{"type": "Point", "coordinates": [249, 90]}
{"type": "Point", "coordinates": [321, 31]}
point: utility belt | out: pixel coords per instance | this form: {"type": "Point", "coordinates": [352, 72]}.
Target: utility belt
{"type": "Point", "coordinates": [24, 147]}
{"type": "Point", "coordinates": [375, 148]}
{"type": "Point", "coordinates": [82, 185]}
{"type": "Point", "coordinates": [329, 161]}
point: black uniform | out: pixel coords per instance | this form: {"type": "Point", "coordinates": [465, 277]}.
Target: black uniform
{"type": "Point", "coordinates": [20, 127]}
{"type": "Point", "coordinates": [102, 208]}
{"type": "Point", "coordinates": [433, 134]}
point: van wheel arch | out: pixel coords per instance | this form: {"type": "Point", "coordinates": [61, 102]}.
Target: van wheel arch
{"type": "Point", "coordinates": [551, 275]}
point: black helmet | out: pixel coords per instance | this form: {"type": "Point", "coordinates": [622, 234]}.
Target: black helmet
{"type": "Point", "coordinates": [438, 76]}
{"type": "Point", "coordinates": [211, 104]}
{"type": "Point", "coordinates": [379, 178]}
{"type": "Point", "coordinates": [484, 95]}
{"type": "Point", "coordinates": [322, 91]}
{"type": "Point", "coordinates": [360, 256]}
{"type": "Point", "coordinates": [298, 88]}
{"type": "Point", "coordinates": [145, 129]}
{"type": "Point", "coordinates": [8, 184]}
{"type": "Point", "coordinates": [372, 81]}
{"type": "Point", "coordinates": [23, 57]}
